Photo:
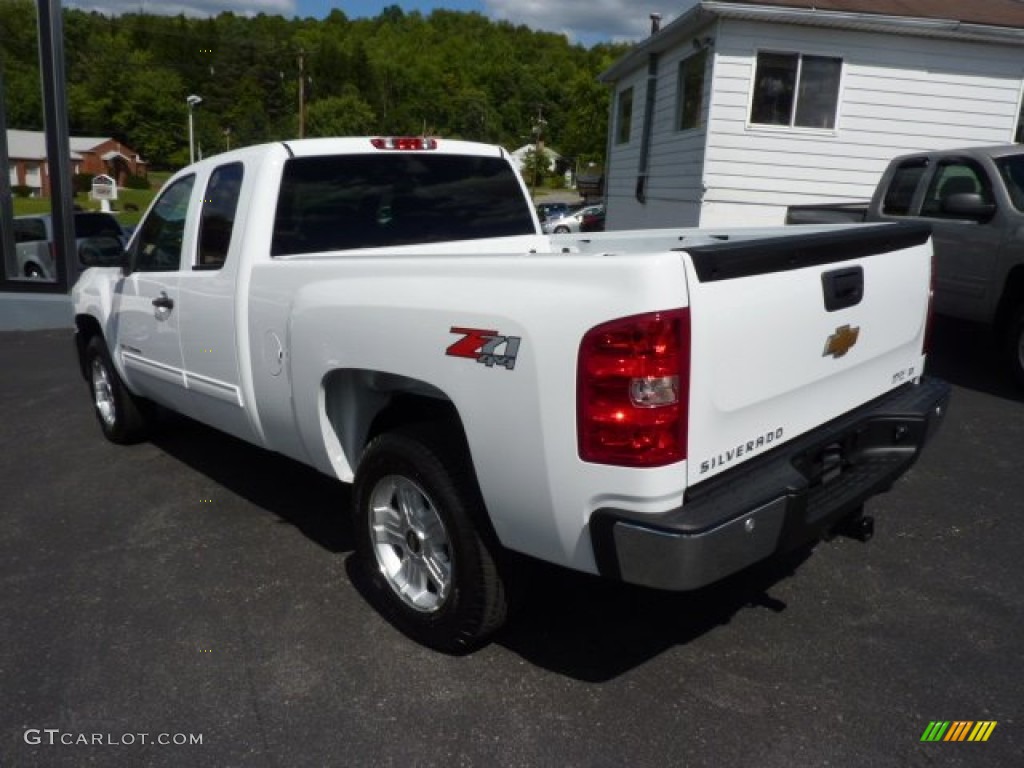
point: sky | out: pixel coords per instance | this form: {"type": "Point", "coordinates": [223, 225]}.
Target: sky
{"type": "Point", "coordinates": [582, 21]}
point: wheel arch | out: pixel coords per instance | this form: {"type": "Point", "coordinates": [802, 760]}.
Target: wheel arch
{"type": "Point", "coordinates": [86, 327]}
{"type": "Point", "coordinates": [359, 404]}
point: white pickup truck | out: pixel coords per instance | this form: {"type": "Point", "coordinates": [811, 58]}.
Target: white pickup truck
{"type": "Point", "coordinates": [664, 407]}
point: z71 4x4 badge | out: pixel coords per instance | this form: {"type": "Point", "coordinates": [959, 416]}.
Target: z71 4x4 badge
{"type": "Point", "coordinates": [487, 347]}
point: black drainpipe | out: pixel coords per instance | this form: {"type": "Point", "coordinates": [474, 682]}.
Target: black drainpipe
{"type": "Point", "coordinates": [645, 133]}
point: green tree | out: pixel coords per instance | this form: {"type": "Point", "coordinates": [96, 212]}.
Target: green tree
{"type": "Point", "coordinates": [345, 115]}
{"type": "Point", "coordinates": [450, 73]}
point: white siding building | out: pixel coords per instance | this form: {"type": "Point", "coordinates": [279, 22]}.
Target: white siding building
{"type": "Point", "coordinates": [736, 110]}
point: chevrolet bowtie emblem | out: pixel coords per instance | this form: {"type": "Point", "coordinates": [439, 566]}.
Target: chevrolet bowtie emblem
{"type": "Point", "coordinates": [840, 342]}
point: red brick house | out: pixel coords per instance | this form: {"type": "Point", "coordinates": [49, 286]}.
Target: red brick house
{"type": "Point", "coordinates": [95, 155]}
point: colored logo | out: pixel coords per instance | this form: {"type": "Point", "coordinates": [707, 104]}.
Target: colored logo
{"type": "Point", "coordinates": [489, 348]}
{"type": "Point", "coordinates": [958, 730]}
{"type": "Point", "coordinates": [840, 342]}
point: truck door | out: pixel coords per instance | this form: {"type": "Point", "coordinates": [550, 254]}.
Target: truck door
{"type": "Point", "coordinates": [966, 251]}
{"type": "Point", "coordinates": [147, 336]}
{"type": "Point", "coordinates": [209, 323]}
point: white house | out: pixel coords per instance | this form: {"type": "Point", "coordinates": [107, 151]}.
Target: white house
{"type": "Point", "coordinates": [96, 155]}
{"type": "Point", "coordinates": [736, 110]}
{"type": "Point", "coordinates": [519, 156]}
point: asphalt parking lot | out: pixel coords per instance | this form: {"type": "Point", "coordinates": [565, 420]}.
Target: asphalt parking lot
{"type": "Point", "coordinates": [198, 587]}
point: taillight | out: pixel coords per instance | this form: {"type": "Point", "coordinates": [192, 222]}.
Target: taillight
{"type": "Point", "coordinates": [633, 383]}
{"type": "Point", "coordinates": [404, 142]}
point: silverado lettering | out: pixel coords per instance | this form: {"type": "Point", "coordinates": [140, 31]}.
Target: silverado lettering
{"type": "Point", "coordinates": [747, 448]}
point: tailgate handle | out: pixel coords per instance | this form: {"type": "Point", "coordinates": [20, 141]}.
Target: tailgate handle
{"type": "Point", "coordinates": [843, 288]}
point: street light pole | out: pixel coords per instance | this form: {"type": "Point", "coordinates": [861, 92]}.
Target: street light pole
{"type": "Point", "coordinates": [192, 101]}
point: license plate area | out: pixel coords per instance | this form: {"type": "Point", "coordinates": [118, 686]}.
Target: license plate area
{"type": "Point", "coordinates": [827, 462]}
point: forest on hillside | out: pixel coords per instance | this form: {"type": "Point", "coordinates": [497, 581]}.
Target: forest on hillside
{"type": "Point", "coordinates": [451, 74]}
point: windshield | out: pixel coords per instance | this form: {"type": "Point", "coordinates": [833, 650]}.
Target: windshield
{"type": "Point", "coordinates": [1012, 171]}
{"type": "Point", "coordinates": [378, 200]}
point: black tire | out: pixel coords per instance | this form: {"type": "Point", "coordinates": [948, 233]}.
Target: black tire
{"type": "Point", "coordinates": [423, 548]}
{"type": "Point", "coordinates": [561, 229]}
{"type": "Point", "coordinates": [1014, 345]}
{"type": "Point", "coordinates": [123, 417]}
{"type": "Point", "coordinates": [34, 271]}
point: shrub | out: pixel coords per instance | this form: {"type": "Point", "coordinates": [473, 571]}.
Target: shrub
{"type": "Point", "coordinates": [22, 190]}
{"type": "Point", "coordinates": [83, 183]}
{"type": "Point", "coordinates": [137, 182]}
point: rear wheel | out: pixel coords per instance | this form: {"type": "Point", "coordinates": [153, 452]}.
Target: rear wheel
{"type": "Point", "coordinates": [121, 415]}
{"type": "Point", "coordinates": [561, 229]}
{"type": "Point", "coordinates": [33, 271]}
{"type": "Point", "coordinates": [422, 545]}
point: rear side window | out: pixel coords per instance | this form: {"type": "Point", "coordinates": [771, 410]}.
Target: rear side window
{"type": "Point", "coordinates": [900, 195]}
{"type": "Point", "coordinates": [29, 230]}
{"type": "Point", "coordinates": [217, 220]}
{"type": "Point", "coordinates": [389, 199]}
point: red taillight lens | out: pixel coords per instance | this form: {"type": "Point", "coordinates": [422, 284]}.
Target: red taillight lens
{"type": "Point", "coordinates": [633, 385]}
{"type": "Point", "coordinates": [404, 142]}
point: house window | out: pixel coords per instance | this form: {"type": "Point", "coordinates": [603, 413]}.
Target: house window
{"type": "Point", "coordinates": [690, 90]}
{"type": "Point", "coordinates": [624, 116]}
{"type": "Point", "coordinates": [796, 90]}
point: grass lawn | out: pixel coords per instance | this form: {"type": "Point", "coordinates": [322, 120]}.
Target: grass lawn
{"type": "Point", "coordinates": [126, 198]}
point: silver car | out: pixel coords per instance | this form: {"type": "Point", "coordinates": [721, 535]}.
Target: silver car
{"type": "Point", "coordinates": [569, 222]}
{"type": "Point", "coordinates": [99, 241]}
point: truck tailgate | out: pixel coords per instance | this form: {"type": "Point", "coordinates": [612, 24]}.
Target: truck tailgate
{"type": "Point", "coordinates": [791, 332]}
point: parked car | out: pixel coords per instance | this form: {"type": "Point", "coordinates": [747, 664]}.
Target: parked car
{"type": "Point", "coordinates": [593, 222]}
{"type": "Point", "coordinates": [546, 211]}
{"type": "Point", "coordinates": [99, 241]}
{"type": "Point", "coordinates": [973, 200]}
{"type": "Point", "coordinates": [571, 221]}
{"type": "Point", "coordinates": [652, 406]}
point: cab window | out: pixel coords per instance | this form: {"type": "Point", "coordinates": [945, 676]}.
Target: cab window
{"type": "Point", "coordinates": [900, 194]}
{"type": "Point", "coordinates": [157, 247]}
{"type": "Point", "coordinates": [954, 178]}
{"type": "Point", "coordinates": [217, 220]}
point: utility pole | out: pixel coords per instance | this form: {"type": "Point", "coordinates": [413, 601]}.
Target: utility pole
{"type": "Point", "coordinates": [302, 93]}
{"type": "Point", "coordinates": [542, 158]}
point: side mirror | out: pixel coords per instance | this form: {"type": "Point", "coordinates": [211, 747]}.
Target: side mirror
{"type": "Point", "coordinates": [968, 205]}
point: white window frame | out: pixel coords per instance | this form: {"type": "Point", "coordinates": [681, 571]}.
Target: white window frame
{"type": "Point", "coordinates": [620, 124]}
{"type": "Point", "coordinates": [681, 91]}
{"type": "Point", "coordinates": [792, 127]}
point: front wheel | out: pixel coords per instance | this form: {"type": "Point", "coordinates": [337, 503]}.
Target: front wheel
{"type": "Point", "coordinates": [121, 415]}
{"type": "Point", "coordinates": [422, 545]}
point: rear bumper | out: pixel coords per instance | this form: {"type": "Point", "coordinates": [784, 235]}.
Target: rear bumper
{"type": "Point", "coordinates": [793, 495]}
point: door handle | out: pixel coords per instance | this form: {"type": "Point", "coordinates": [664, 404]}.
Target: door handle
{"type": "Point", "coordinates": [842, 288]}
{"type": "Point", "coordinates": [163, 301]}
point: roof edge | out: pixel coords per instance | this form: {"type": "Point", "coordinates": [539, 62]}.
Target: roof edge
{"type": "Point", "coordinates": [708, 11]}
